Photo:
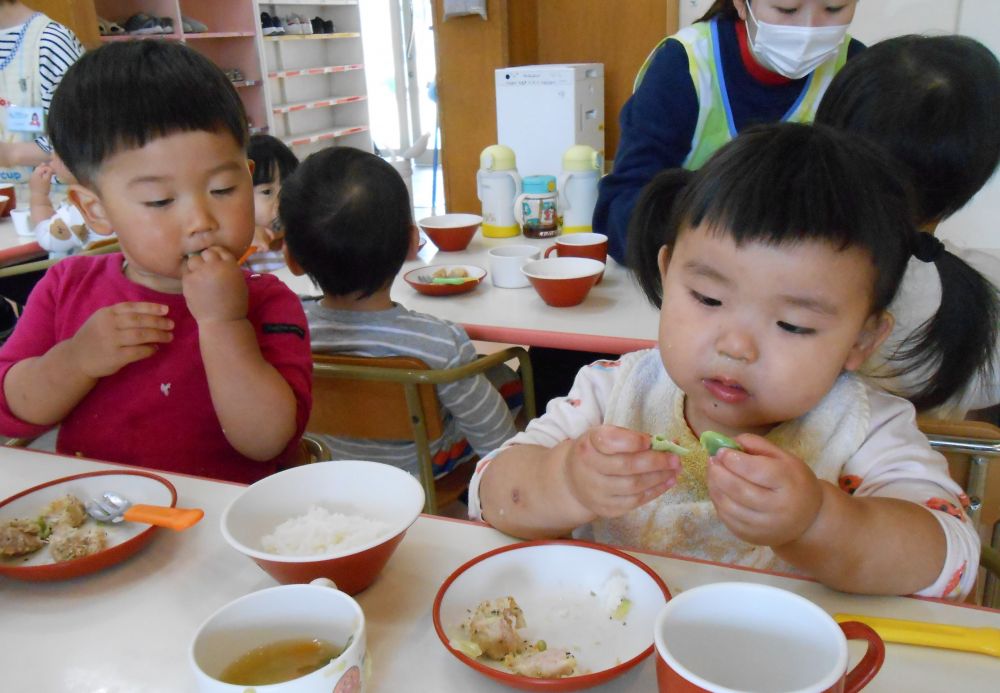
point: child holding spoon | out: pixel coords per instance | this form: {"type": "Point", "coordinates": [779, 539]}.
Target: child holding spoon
{"type": "Point", "coordinates": [773, 266]}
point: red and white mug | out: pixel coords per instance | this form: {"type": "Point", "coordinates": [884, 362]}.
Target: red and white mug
{"type": "Point", "coordinates": [732, 637]}
{"type": "Point", "coordinates": [592, 245]}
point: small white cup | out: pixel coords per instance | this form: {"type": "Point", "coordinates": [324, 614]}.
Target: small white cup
{"type": "Point", "coordinates": [22, 225]}
{"type": "Point", "coordinates": [729, 637]}
{"type": "Point", "coordinates": [506, 262]}
{"type": "Point", "coordinates": [316, 610]}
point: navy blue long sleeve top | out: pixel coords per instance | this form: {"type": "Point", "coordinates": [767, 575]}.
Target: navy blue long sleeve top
{"type": "Point", "coordinates": [658, 123]}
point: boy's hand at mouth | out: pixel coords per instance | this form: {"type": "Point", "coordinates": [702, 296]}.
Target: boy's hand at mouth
{"type": "Point", "coordinates": [214, 287]}
{"type": "Point", "coordinates": [764, 495]}
{"type": "Point", "coordinates": [612, 470]}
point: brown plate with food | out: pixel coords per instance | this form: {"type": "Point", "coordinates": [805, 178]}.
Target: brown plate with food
{"type": "Point", "coordinates": [37, 524]}
{"type": "Point", "coordinates": [445, 280]}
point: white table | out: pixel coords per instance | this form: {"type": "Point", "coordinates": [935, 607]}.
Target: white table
{"type": "Point", "coordinates": [614, 318]}
{"type": "Point", "coordinates": [127, 629]}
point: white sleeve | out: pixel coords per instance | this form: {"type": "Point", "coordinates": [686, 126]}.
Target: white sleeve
{"type": "Point", "coordinates": [564, 418]}
{"type": "Point", "coordinates": [895, 461]}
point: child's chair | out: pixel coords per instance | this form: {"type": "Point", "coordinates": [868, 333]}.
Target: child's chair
{"type": "Point", "coordinates": [393, 398]}
{"type": "Point", "coordinates": [970, 447]}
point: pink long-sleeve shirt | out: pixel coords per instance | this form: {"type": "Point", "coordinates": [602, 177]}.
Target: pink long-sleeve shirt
{"type": "Point", "coordinates": [157, 412]}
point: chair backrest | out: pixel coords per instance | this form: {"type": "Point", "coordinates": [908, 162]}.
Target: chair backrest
{"type": "Point", "coordinates": [353, 404]}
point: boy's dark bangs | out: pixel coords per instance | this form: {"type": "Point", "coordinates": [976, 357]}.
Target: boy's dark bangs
{"type": "Point", "coordinates": [123, 96]}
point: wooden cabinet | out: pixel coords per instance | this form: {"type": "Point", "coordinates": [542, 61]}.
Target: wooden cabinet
{"type": "Point", "coordinates": [316, 82]}
{"type": "Point", "coordinates": [231, 39]}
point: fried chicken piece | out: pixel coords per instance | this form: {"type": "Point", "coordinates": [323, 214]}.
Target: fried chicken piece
{"type": "Point", "coordinates": [493, 626]}
{"type": "Point", "coordinates": [440, 272]}
{"type": "Point", "coordinates": [65, 545]}
{"type": "Point", "coordinates": [458, 272]}
{"type": "Point", "coordinates": [20, 537]}
{"type": "Point", "coordinates": [66, 512]}
{"type": "Point", "coordinates": [541, 664]}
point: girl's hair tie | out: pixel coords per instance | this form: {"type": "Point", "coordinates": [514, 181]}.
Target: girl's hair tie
{"type": "Point", "coordinates": [926, 247]}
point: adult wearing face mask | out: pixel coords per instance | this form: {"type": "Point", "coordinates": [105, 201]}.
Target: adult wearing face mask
{"type": "Point", "coordinates": [744, 63]}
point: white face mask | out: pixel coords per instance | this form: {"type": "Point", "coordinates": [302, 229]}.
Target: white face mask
{"type": "Point", "coordinates": [793, 51]}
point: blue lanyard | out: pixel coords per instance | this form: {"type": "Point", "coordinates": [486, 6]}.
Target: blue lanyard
{"type": "Point", "coordinates": [17, 42]}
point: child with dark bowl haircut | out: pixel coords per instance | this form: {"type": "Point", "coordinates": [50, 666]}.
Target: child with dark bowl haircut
{"type": "Point", "coordinates": [165, 355]}
{"type": "Point", "coordinates": [348, 227]}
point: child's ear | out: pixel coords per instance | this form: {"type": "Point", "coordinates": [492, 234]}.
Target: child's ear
{"type": "Point", "coordinates": [293, 265]}
{"type": "Point", "coordinates": [875, 331]}
{"type": "Point", "coordinates": [663, 259]}
{"type": "Point", "coordinates": [251, 165]}
{"type": "Point", "coordinates": [90, 206]}
{"type": "Point", "coordinates": [411, 253]}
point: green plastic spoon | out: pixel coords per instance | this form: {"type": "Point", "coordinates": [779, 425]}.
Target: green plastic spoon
{"type": "Point", "coordinates": [664, 444]}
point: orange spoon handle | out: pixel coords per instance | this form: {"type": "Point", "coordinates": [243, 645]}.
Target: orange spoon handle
{"type": "Point", "coordinates": [174, 518]}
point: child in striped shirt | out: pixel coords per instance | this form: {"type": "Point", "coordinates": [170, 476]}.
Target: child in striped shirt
{"type": "Point", "coordinates": [348, 226]}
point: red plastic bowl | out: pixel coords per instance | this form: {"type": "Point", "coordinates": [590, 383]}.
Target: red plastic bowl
{"type": "Point", "coordinates": [451, 232]}
{"type": "Point", "coordinates": [352, 487]}
{"type": "Point", "coordinates": [124, 539]}
{"type": "Point", "coordinates": [563, 281]}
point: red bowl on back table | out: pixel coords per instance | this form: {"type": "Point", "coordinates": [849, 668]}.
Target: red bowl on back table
{"type": "Point", "coordinates": [451, 232]}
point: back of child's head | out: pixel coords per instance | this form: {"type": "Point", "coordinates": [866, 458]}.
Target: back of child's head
{"type": "Point", "coordinates": [272, 159]}
{"type": "Point", "coordinates": [933, 102]}
{"type": "Point", "coordinates": [347, 220]}
{"type": "Point", "coordinates": [124, 95]}
{"type": "Point", "coordinates": [784, 184]}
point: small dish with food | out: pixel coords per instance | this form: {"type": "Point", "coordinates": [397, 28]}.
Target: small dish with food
{"type": "Point", "coordinates": [340, 520]}
{"type": "Point", "coordinates": [550, 615]}
{"type": "Point", "coordinates": [46, 534]}
{"type": "Point", "coordinates": [445, 280]}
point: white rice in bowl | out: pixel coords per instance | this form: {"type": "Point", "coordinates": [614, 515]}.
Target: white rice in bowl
{"type": "Point", "coordinates": [320, 531]}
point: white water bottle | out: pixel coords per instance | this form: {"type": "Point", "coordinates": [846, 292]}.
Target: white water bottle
{"type": "Point", "coordinates": [578, 188]}
{"type": "Point", "coordinates": [497, 184]}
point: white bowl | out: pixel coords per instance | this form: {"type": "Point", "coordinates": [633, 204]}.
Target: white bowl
{"type": "Point", "coordinates": [562, 588]}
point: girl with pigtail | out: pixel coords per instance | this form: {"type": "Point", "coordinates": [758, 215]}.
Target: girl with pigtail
{"type": "Point", "coordinates": [773, 266]}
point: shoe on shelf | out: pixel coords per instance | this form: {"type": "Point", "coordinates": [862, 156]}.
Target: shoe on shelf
{"type": "Point", "coordinates": [293, 26]}
{"type": "Point", "coordinates": [280, 27]}
{"type": "Point", "coordinates": [328, 27]}
{"type": "Point", "coordinates": [317, 25]}
{"type": "Point", "coordinates": [305, 24]}
{"type": "Point", "coordinates": [235, 75]}
{"type": "Point", "coordinates": [193, 26]}
{"type": "Point", "coordinates": [143, 24]}
{"type": "Point", "coordinates": [266, 24]}
{"type": "Point", "coordinates": [166, 25]}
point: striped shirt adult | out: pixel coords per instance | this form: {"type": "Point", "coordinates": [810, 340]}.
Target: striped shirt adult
{"type": "Point", "coordinates": [58, 48]}
{"type": "Point", "coordinates": [476, 418]}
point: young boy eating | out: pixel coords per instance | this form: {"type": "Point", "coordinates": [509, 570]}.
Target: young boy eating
{"type": "Point", "coordinates": [166, 355]}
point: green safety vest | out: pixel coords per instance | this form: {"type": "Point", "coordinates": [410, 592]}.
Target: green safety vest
{"type": "Point", "coordinates": [715, 124]}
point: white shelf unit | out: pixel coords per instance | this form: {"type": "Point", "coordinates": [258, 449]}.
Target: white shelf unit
{"type": "Point", "coordinates": [316, 92]}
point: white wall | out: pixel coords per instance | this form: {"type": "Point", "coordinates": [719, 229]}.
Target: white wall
{"type": "Point", "coordinates": [978, 224]}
